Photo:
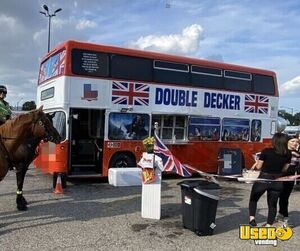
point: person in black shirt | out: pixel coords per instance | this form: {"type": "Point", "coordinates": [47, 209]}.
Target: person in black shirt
{"type": "Point", "coordinates": [272, 162]}
{"type": "Point", "coordinates": [288, 186]}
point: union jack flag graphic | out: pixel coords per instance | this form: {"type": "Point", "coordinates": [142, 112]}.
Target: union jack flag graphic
{"type": "Point", "coordinates": [125, 93]}
{"type": "Point", "coordinates": [170, 162]}
{"type": "Point", "coordinates": [42, 75]}
{"type": "Point", "coordinates": [59, 63]}
{"type": "Point", "coordinates": [54, 66]}
{"type": "Point", "coordinates": [256, 104]}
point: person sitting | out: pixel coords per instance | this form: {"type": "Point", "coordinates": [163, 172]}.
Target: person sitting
{"type": "Point", "coordinates": [5, 111]}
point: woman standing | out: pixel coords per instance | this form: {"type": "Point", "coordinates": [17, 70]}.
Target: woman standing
{"type": "Point", "coordinates": [288, 186]}
{"type": "Point", "coordinates": [272, 162]}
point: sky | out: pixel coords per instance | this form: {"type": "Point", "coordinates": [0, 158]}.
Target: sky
{"type": "Point", "coordinates": [257, 33]}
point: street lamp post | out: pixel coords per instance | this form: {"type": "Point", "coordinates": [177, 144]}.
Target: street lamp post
{"type": "Point", "coordinates": [18, 103]}
{"type": "Point", "coordinates": [47, 14]}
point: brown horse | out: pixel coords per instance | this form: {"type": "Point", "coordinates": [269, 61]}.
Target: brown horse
{"type": "Point", "coordinates": [26, 153]}
{"type": "Point", "coordinates": [17, 131]}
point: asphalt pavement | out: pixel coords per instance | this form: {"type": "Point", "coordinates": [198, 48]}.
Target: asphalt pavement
{"type": "Point", "coordinates": [97, 216]}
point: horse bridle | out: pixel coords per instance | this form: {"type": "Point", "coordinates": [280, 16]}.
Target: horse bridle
{"type": "Point", "coordinates": [48, 135]}
{"type": "Point", "coordinates": [42, 122]}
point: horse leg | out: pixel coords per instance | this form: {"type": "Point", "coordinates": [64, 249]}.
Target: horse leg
{"type": "Point", "coordinates": [3, 166]}
{"type": "Point", "coordinates": [20, 175]}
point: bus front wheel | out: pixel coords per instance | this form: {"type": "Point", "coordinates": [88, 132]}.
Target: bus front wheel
{"type": "Point", "coordinates": [122, 160]}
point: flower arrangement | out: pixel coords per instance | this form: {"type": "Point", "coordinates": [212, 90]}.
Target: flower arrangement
{"type": "Point", "coordinates": [149, 144]}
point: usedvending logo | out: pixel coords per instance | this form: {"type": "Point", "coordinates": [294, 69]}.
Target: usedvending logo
{"type": "Point", "coordinates": [265, 235]}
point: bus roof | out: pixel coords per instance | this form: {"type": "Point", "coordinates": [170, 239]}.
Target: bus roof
{"type": "Point", "coordinates": [158, 56]}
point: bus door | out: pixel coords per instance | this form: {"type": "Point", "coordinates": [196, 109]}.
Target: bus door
{"type": "Point", "coordinates": [86, 136]}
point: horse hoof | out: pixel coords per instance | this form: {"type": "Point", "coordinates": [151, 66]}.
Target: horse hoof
{"type": "Point", "coordinates": [21, 203]}
{"type": "Point", "coordinates": [24, 201]}
{"type": "Point", "coordinates": [21, 200]}
{"type": "Point", "coordinates": [22, 207]}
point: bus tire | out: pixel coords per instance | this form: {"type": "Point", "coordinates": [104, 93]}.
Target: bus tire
{"type": "Point", "coordinates": [122, 160]}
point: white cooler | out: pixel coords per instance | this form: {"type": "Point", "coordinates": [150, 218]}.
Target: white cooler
{"type": "Point", "coordinates": [125, 176]}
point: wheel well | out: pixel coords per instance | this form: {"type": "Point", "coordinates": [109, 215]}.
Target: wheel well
{"type": "Point", "coordinates": [123, 154]}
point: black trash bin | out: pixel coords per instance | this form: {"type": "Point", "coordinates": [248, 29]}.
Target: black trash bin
{"type": "Point", "coordinates": [199, 205]}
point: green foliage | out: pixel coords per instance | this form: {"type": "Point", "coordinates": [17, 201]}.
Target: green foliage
{"type": "Point", "coordinates": [28, 106]}
{"type": "Point", "coordinates": [294, 120]}
{"type": "Point", "coordinates": [297, 118]}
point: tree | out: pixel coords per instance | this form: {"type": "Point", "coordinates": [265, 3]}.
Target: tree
{"type": "Point", "coordinates": [297, 118]}
{"type": "Point", "coordinates": [287, 116]}
{"type": "Point", "coordinates": [294, 120]}
{"type": "Point", "coordinates": [28, 106]}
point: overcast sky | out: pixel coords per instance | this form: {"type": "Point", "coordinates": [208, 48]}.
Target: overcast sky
{"type": "Point", "coordinates": [257, 33]}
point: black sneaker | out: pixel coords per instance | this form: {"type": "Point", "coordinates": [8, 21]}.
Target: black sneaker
{"type": "Point", "coordinates": [252, 223]}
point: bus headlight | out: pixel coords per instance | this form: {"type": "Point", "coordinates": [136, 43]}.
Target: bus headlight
{"type": "Point", "coordinates": [281, 124]}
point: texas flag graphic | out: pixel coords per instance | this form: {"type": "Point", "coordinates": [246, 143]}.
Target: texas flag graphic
{"type": "Point", "coordinates": [88, 93]}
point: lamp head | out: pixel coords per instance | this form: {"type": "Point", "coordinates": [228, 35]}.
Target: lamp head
{"type": "Point", "coordinates": [45, 7]}
{"type": "Point", "coordinates": [58, 10]}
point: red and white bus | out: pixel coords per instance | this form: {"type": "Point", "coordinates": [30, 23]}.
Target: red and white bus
{"type": "Point", "coordinates": [106, 100]}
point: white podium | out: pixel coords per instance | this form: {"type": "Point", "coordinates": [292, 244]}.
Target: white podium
{"type": "Point", "coordinates": [151, 198]}
{"type": "Point", "coordinates": [151, 192]}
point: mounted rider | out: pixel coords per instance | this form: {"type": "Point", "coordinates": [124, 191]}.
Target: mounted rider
{"type": "Point", "coordinates": [5, 111]}
{"type": "Point", "coordinates": [5, 114]}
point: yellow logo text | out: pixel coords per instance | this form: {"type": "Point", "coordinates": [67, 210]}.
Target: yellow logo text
{"type": "Point", "coordinates": [265, 235]}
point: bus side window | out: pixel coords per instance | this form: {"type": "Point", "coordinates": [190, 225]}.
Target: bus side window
{"type": "Point", "coordinates": [128, 126]}
{"type": "Point", "coordinates": [169, 72]}
{"type": "Point", "coordinates": [204, 128]}
{"type": "Point", "coordinates": [171, 127]}
{"type": "Point", "coordinates": [133, 68]}
{"type": "Point", "coordinates": [256, 130]}
{"type": "Point", "coordinates": [237, 81]}
{"type": "Point", "coordinates": [206, 77]}
{"type": "Point", "coordinates": [263, 84]}
{"type": "Point", "coordinates": [235, 129]}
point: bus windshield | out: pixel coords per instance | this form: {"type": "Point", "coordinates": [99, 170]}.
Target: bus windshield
{"type": "Point", "coordinates": [53, 66]}
{"type": "Point", "coordinates": [59, 122]}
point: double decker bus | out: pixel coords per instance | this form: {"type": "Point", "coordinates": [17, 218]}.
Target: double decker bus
{"type": "Point", "coordinates": [106, 100]}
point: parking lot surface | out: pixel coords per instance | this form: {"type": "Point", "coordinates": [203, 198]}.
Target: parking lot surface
{"type": "Point", "coordinates": [97, 216]}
